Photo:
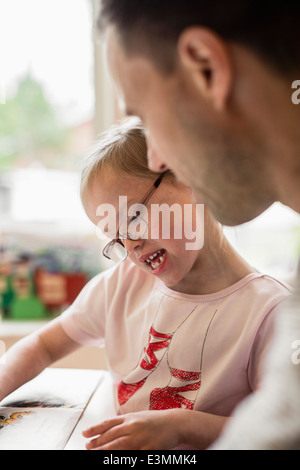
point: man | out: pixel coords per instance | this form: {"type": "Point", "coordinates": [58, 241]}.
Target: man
{"type": "Point", "coordinates": [212, 82]}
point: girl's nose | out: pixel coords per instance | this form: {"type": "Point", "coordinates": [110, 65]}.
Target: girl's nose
{"type": "Point", "coordinates": [131, 245]}
{"type": "Point", "coordinates": [155, 162]}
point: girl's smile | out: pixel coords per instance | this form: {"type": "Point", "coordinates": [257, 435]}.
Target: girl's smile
{"type": "Point", "coordinates": [155, 260]}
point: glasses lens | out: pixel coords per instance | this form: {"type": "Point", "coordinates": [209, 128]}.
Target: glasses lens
{"type": "Point", "coordinates": [115, 251]}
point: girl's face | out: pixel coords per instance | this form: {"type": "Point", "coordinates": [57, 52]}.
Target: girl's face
{"type": "Point", "coordinates": [166, 258]}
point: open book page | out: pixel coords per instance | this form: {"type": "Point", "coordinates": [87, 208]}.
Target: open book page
{"type": "Point", "coordinates": [42, 414]}
{"type": "Point", "coordinates": [36, 428]}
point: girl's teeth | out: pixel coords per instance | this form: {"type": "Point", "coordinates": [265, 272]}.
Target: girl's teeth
{"type": "Point", "coordinates": [153, 256]}
{"type": "Point", "coordinates": [157, 263]}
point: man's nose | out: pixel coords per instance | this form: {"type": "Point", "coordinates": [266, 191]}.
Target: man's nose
{"type": "Point", "coordinates": [155, 162]}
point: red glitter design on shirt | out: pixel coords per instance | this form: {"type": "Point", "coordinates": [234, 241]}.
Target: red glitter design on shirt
{"type": "Point", "coordinates": [167, 397]}
{"type": "Point", "coordinates": [170, 397]}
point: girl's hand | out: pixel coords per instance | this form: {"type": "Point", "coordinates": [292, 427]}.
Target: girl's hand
{"type": "Point", "coordinates": [144, 430]}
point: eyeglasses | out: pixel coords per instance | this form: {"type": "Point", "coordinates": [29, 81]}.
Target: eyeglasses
{"type": "Point", "coordinates": [134, 229]}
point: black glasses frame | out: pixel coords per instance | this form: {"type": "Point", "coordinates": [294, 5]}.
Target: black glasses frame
{"type": "Point", "coordinates": [144, 201]}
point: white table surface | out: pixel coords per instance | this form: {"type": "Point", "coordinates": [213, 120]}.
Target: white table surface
{"type": "Point", "coordinates": [100, 407]}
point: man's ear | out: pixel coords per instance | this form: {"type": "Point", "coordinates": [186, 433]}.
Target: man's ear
{"type": "Point", "coordinates": [207, 59]}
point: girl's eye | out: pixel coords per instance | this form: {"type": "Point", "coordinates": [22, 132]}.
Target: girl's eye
{"type": "Point", "coordinates": [134, 229]}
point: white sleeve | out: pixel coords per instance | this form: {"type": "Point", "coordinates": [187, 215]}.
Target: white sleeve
{"type": "Point", "coordinates": [85, 320]}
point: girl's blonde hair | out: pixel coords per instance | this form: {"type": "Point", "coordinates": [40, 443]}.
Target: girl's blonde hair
{"type": "Point", "coordinates": [122, 148]}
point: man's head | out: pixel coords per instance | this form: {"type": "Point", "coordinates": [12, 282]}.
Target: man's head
{"type": "Point", "coordinates": [211, 81]}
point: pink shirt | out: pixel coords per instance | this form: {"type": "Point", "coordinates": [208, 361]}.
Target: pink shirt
{"type": "Point", "coordinates": [166, 349]}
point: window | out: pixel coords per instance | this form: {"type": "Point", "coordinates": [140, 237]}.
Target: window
{"type": "Point", "coordinates": [271, 242]}
{"type": "Point", "coordinates": [49, 64]}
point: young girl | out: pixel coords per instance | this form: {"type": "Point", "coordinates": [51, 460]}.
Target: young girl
{"type": "Point", "coordinates": [185, 330]}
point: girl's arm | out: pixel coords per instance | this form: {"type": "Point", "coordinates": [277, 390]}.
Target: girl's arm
{"type": "Point", "coordinates": [156, 430]}
{"type": "Point", "coordinates": [32, 354]}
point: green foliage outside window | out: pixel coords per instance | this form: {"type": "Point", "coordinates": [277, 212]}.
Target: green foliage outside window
{"type": "Point", "coordinates": [29, 128]}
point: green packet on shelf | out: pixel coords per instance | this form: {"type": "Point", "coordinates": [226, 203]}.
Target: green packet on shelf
{"type": "Point", "coordinates": [28, 308]}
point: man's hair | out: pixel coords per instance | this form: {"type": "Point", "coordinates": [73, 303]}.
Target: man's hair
{"type": "Point", "coordinates": [152, 27]}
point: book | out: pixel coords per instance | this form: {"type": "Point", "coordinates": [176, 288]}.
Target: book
{"type": "Point", "coordinates": [43, 413]}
